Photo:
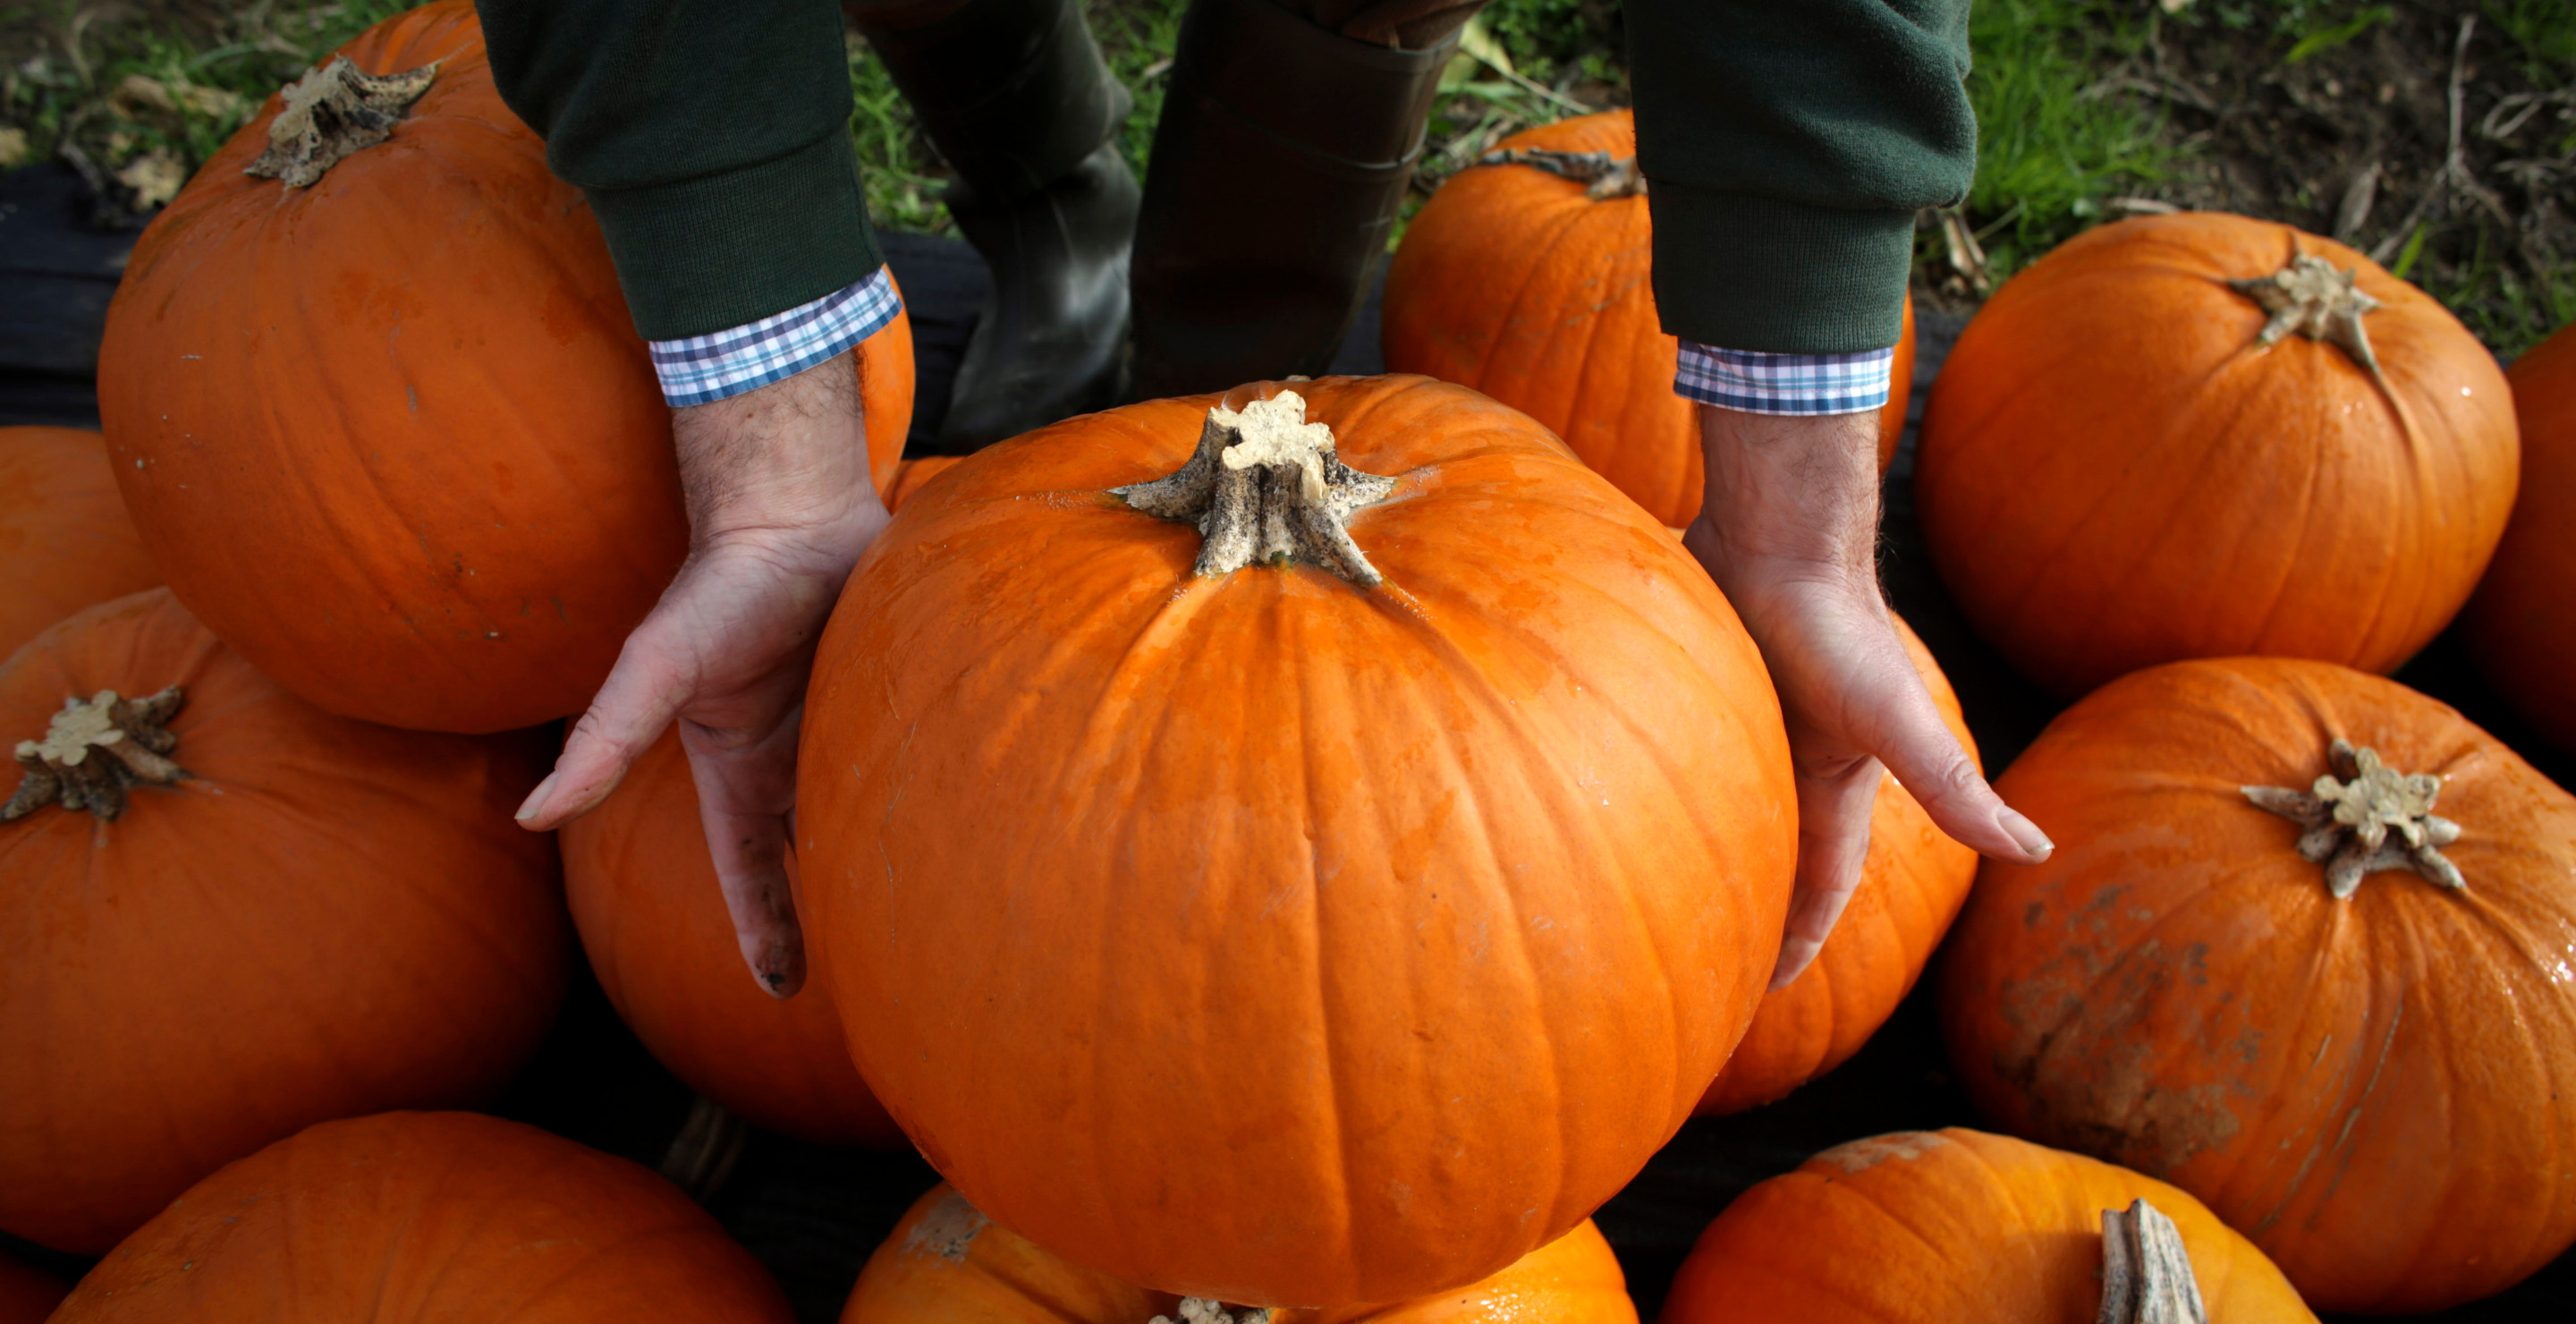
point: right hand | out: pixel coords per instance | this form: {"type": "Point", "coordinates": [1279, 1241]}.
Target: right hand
{"type": "Point", "coordinates": [780, 506]}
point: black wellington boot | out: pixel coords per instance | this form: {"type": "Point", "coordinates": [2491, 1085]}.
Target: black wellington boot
{"type": "Point", "coordinates": [1282, 155]}
{"type": "Point", "coordinates": [1016, 97]}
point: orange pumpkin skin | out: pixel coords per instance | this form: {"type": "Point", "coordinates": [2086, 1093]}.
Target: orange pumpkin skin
{"type": "Point", "coordinates": [2112, 474]}
{"type": "Point", "coordinates": [2381, 1090]}
{"type": "Point", "coordinates": [27, 1294]}
{"type": "Point", "coordinates": [1911, 887]}
{"type": "Point", "coordinates": [1426, 912]}
{"type": "Point", "coordinates": [327, 918]}
{"type": "Point", "coordinates": [1512, 281]}
{"type": "Point", "coordinates": [2522, 623]}
{"type": "Point", "coordinates": [1930, 1227]}
{"type": "Point", "coordinates": [653, 920]}
{"type": "Point", "coordinates": [946, 1263]}
{"type": "Point", "coordinates": [63, 531]}
{"type": "Point", "coordinates": [910, 475]}
{"type": "Point", "coordinates": [394, 434]}
{"type": "Point", "coordinates": [442, 1218]}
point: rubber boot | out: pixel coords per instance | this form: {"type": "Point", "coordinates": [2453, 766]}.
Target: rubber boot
{"type": "Point", "coordinates": [1017, 99]}
{"type": "Point", "coordinates": [1283, 153]}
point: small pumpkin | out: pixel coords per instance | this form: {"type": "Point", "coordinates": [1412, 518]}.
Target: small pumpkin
{"type": "Point", "coordinates": [653, 920]}
{"type": "Point", "coordinates": [910, 475]}
{"type": "Point", "coordinates": [2522, 624]}
{"type": "Point", "coordinates": [1528, 279]}
{"type": "Point", "coordinates": [259, 917]}
{"type": "Point", "coordinates": [2202, 436]}
{"type": "Point", "coordinates": [428, 1216]}
{"type": "Point", "coordinates": [27, 1294]}
{"type": "Point", "coordinates": [1339, 805]}
{"type": "Point", "coordinates": [385, 421]}
{"type": "Point", "coordinates": [1912, 885]}
{"type": "Point", "coordinates": [2302, 950]}
{"type": "Point", "coordinates": [947, 1262]}
{"type": "Point", "coordinates": [64, 535]}
{"type": "Point", "coordinates": [1931, 1227]}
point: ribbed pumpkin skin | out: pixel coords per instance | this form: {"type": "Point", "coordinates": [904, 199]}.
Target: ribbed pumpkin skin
{"type": "Point", "coordinates": [440, 1218]}
{"type": "Point", "coordinates": [910, 475]}
{"type": "Point", "coordinates": [2522, 623]}
{"type": "Point", "coordinates": [652, 918]}
{"type": "Point", "coordinates": [1408, 921]}
{"type": "Point", "coordinates": [328, 918]}
{"type": "Point", "coordinates": [1939, 1227]}
{"type": "Point", "coordinates": [394, 435]}
{"type": "Point", "coordinates": [1512, 281]}
{"type": "Point", "coordinates": [1911, 887]}
{"type": "Point", "coordinates": [63, 531]}
{"type": "Point", "coordinates": [948, 1264]}
{"type": "Point", "coordinates": [27, 1294]}
{"type": "Point", "coordinates": [2113, 475]}
{"type": "Point", "coordinates": [2380, 1091]}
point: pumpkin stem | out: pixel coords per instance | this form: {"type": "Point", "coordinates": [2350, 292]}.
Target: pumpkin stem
{"type": "Point", "coordinates": [2313, 299]}
{"type": "Point", "coordinates": [332, 112]}
{"type": "Point", "coordinates": [1265, 485]}
{"type": "Point", "coordinates": [1610, 176]}
{"type": "Point", "coordinates": [2146, 1272]}
{"type": "Point", "coordinates": [93, 751]}
{"type": "Point", "coordinates": [2365, 817]}
{"type": "Point", "coordinates": [703, 1154]}
{"type": "Point", "coordinates": [1200, 1310]}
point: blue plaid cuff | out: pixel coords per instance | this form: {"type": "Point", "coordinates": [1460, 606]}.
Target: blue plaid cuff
{"type": "Point", "coordinates": [1759, 383]}
{"type": "Point", "coordinates": [701, 370]}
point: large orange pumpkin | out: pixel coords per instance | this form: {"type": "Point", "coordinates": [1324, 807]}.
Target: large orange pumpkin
{"type": "Point", "coordinates": [392, 434]}
{"type": "Point", "coordinates": [910, 475]}
{"type": "Point", "coordinates": [1525, 285]}
{"type": "Point", "coordinates": [435, 1217]}
{"type": "Point", "coordinates": [1938, 1227]}
{"type": "Point", "coordinates": [946, 1262]}
{"type": "Point", "coordinates": [653, 920]}
{"type": "Point", "coordinates": [2378, 1088]}
{"type": "Point", "coordinates": [2522, 624]}
{"type": "Point", "coordinates": [2131, 457]}
{"type": "Point", "coordinates": [1911, 887]}
{"type": "Point", "coordinates": [27, 1294]}
{"type": "Point", "coordinates": [1336, 906]}
{"type": "Point", "coordinates": [321, 918]}
{"type": "Point", "coordinates": [63, 531]}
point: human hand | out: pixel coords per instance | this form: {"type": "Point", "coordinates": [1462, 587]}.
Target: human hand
{"type": "Point", "coordinates": [780, 506]}
{"type": "Point", "coordinates": [1789, 530]}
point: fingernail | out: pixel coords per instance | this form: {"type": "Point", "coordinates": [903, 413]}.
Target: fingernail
{"type": "Point", "coordinates": [536, 799]}
{"type": "Point", "coordinates": [2026, 834]}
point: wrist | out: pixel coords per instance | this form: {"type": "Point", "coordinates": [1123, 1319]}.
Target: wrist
{"type": "Point", "coordinates": [789, 460]}
{"type": "Point", "coordinates": [1788, 497]}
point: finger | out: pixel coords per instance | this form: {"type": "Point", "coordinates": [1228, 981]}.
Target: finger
{"type": "Point", "coordinates": [1833, 844]}
{"type": "Point", "coordinates": [1906, 732]}
{"type": "Point", "coordinates": [746, 784]}
{"type": "Point", "coordinates": [654, 673]}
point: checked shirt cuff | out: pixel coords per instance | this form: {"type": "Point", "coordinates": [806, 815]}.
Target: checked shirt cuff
{"type": "Point", "coordinates": [1759, 383]}
{"type": "Point", "coordinates": [701, 370]}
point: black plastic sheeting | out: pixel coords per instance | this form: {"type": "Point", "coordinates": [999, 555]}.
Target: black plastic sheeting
{"type": "Point", "coordinates": [812, 1214]}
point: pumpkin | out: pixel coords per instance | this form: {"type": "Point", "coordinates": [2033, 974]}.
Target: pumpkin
{"type": "Point", "coordinates": [259, 916]}
{"type": "Point", "coordinates": [2137, 454]}
{"type": "Point", "coordinates": [910, 475]}
{"type": "Point", "coordinates": [2361, 1052]}
{"type": "Point", "coordinates": [391, 431]}
{"type": "Point", "coordinates": [428, 1216]}
{"type": "Point", "coordinates": [27, 1294]}
{"type": "Point", "coordinates": [1528, 279]}
{"type": "Point", "coordinates": [947, 1262]}
{"type": "Point", "coordinates": [1911, 887]}
{"type": "Point", "coordinates": [63, 531]}
{"type": "Point", "coordinates": [1929, 1227]}
{"type": "Point", "coordinates": [645, 899]}
{"type": "Point", "coordinates": [1380, 877]}
{"type": "Point", "coordinates": [2522, 624]}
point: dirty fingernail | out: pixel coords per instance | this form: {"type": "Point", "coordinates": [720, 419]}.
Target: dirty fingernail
{"type": "Point", "coordinates": [2026, 834]}
{"type": "Point", "coordinates": [536, 800]}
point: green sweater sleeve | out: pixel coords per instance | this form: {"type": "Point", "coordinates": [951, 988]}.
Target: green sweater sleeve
{"type": "Point", "coordinates": [712, 137]}
{"type": "Point", "coordinates": [1787, 145]}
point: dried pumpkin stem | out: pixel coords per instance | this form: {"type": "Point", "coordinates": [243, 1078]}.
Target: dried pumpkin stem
{"type": "Point", "coordinates": [2146, 1271]}
{"type": "Point", "coordinates": [2311, 298]}
{"type": "Point", "coordinates": [94, 751]}
{"type": "Point", "coordinates": [1200, 1310]}
{"type": "Point", "coordinates": [703, 1154]}
{"type": "Point", "coordinates": [1609, 176]}
{"type": "Point", "coordinates": [332, 112]}
{"type": "Point", "coordinates": [2365, 817]}
{"type": "Point", "coordinates": [1265, 485]}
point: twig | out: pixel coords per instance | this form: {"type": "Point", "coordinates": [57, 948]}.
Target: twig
{"type": "Point", "coordinates": [2454, 169]}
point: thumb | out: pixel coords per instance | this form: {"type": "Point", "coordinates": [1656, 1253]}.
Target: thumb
{"type": "Point", "coordinates": [653, 677]}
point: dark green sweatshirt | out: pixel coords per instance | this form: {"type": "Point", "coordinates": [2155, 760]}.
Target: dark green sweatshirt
{"type": "Point", "coordinates": [1787, 145]}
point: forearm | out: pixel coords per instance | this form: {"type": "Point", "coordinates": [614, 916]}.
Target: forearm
{"type": "Point", "coordinates": [789, 459]}
{"type": "Point", "coordinates": [1789, 497]}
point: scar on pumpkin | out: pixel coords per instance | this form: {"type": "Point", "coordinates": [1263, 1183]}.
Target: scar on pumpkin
{"type": "Point", "coordinates": [1200, 1310]}
{"type": "Point", "coordinates": [332, 112]}
{"type": "Point", "coordinates": [94, 751]}
{"type": "Point", "coordinates": [2365, 817]}
{"type": "Point", "coordinates": [1265, 485]}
